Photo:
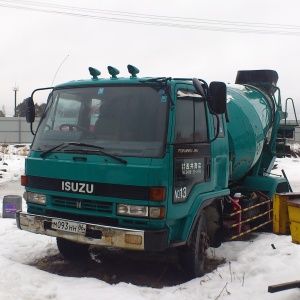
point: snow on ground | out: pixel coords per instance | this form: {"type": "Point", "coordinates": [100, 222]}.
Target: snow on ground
{"type": "Point", "coordinates": [250, 267]}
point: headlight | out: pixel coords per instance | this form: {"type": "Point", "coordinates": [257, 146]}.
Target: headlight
{"type": "Point", "coordinates": [140, 211]}
{"type": "Point", "coordinates": [35, 198]}
{"type": "Point", "coordinates": [157, 212]}
{"type": "Point", "coordinates": [132, 210]}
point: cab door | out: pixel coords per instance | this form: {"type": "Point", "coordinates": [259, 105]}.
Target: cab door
{"type": "Point", "coordinates": [192, 152]}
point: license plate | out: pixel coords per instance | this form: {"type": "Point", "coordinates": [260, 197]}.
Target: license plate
{"type": "Point", "coordinates": [68, 226]}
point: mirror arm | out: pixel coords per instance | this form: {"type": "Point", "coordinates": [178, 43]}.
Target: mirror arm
{"type": "Point", "coordinates": [218, 127]}
{"type": "Point", "coordinates": [33, 133]}
{"type": "Point", "coordinates": [227, 115]}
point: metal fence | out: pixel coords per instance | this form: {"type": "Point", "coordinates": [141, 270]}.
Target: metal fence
{"type": "Point", "coordinates": [297, 134]}
{"type": "Point", "coordinates": [15, 130]}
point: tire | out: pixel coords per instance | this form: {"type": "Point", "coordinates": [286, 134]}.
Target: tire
{"type": "Point", "coordinates": [72, 250]}
{"type": "Point", "coordinates": [192, 257]}
{"type": "Point", "coordinates": [214, 224]}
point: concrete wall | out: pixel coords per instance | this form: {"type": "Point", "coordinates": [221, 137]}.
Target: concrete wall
{"type": "Point", "coordinates": [16, 130]}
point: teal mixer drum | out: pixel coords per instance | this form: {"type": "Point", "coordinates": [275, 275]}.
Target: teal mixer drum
{"type": "Point", "coordinates": [251, 113]}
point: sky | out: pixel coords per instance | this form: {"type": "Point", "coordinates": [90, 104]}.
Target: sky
{"type": "Point", "coordinates": [249, 268]}
{"type": "Point", "coordinates": [49, 42]}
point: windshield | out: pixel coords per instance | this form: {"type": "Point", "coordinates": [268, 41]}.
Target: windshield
{"type": "Point", "coordinates": [123, 120]}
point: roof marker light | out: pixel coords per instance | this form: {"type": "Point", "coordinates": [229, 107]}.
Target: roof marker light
{"type": "Point", "coordinates": [133, 71]}
{"type": "Point", "coordinates": [94, 72]}
{"type": "Point", "coordinates": [113, 71]}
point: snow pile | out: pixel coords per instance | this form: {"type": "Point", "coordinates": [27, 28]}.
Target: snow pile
{"type": "Point", "coordinates": [12, 159]}
{"type": "Point", "coordinates": [250, 267]}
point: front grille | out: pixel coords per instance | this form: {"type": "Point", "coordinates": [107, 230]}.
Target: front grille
{"type": "Point", "coordinates": [83, 205]}
{"type": "Point", "coordinates": [92, 188]}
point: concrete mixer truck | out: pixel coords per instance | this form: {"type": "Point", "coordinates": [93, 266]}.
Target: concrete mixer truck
{"type": "Point", "coordinates": [153, 163]}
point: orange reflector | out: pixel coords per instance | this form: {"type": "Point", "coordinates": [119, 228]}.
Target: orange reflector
{"type": "Point", "coordinates": [162, 212]}
{"type": "Point", "coordinates": [158, 193]}
{"type": "Point", "coordinates": [133, 239]}
{"type": "Point", "coordinates": [23, 180]}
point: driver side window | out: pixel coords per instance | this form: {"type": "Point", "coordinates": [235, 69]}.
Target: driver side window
{"type": "Point", "coordinates": [191, 124]}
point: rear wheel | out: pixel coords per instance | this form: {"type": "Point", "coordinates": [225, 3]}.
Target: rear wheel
{"type": "Point", "coordinates": [72, 250]}
{"type": "Point", "coordinates": [192, 257]}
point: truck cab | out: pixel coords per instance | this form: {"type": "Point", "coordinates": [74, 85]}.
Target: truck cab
{"type": "Point", "coordinates": [135, 163]}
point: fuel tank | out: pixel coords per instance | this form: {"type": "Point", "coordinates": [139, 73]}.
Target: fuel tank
{"type": "Point", "coordinates": [251, 109]}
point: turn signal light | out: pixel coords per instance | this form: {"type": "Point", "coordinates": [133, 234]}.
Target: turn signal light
{"type": "Point", "coordinates": [23, 180]}
{"type": "Point", "coordinates": [158, 193]}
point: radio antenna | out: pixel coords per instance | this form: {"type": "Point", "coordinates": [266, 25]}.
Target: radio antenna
{"type": "Point", "coordinates": [58, 69]}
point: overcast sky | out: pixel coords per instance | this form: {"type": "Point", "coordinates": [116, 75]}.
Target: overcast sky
{"type": "Point", "coordinates": [49, 42]}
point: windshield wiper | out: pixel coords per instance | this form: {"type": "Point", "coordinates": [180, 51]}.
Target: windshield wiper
{"type": "Point", "coordinates": [54, 148]}
{"type": "Point", "coordinates": [66, 144]}
{"type": "Point", "coordinates": [99, 150]}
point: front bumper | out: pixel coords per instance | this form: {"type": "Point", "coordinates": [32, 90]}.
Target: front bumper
{"type": "Point", "coordinates": [96, 234]}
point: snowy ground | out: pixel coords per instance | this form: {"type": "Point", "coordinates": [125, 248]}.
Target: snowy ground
{"type": "Point", "coordinates": [250, 267]}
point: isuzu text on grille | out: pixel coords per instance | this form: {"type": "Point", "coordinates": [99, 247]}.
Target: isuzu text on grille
{"type": "Point", "coordinates": [77, 187]}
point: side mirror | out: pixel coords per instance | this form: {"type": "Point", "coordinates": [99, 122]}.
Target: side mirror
{"type": "Point", "coordinates": [218, 92]}
{"type": "Point", "coordinates": [30, 110]}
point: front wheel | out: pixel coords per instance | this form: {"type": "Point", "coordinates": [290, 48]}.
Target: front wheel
{"type": "Point", "coordinates": [192, 257]}
{"type": "Point", "coordinates": [72, 250]}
